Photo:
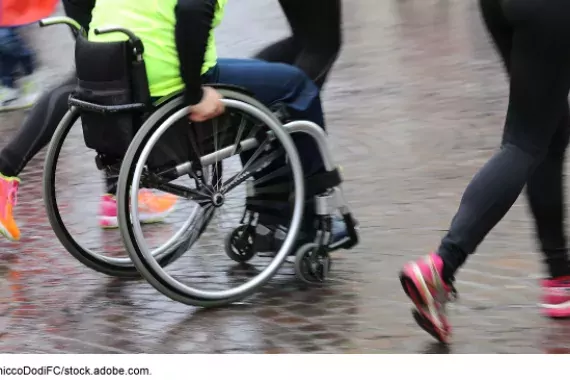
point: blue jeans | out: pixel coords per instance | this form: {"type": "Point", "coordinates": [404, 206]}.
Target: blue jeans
{"type": "Point", "coordinates": [14, 55]}
{"type": "Point", "coordinates": [278, 83]}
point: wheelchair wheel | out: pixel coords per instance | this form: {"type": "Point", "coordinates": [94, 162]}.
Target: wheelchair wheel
{"type": "Point", "coordinates": [239, 244]}
{"type": "Point", "coordinates": [312, 264]}
{"type": "Point", "coordinates": [71, 210]}
{"type": "Point", "coordinates": [248, 141]}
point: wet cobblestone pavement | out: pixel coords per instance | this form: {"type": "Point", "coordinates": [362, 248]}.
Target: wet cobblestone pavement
{"type": "Point", "coordinates": [414, 106]}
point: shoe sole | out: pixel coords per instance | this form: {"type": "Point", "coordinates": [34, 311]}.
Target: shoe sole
{"type": "Point", "coordinates": [6, 234]}
{"type": "Point", "coordinates": [560, 311]}
{"type": "Point", "coordinates": [111, 222]}
{"type": "Point", "coordinates": [427, 325]}
{"type": "Point", "coordinates": [424, 307]}
{"type": "Point", "coordinates": [15, 108]}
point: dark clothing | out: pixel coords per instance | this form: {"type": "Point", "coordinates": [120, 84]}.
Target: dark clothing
{"type": "Point", "coordinates": [316, 37]}
{"type": "Point", "coordinates": [533, 38]}
{"type": "Point", "coordinates": [37, 130]}
{"type": "Point", "coordinates": [15, 57]}
{"type": "Point", "coordinates": [193, 25]}
{"type": "Point", "coordinates": [80, 11]}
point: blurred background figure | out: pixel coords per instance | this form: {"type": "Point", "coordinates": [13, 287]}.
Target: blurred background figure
{"type": "Point", "coordinates": [17, 60]}
{"type": "Point", "coordinates": [316, 37]}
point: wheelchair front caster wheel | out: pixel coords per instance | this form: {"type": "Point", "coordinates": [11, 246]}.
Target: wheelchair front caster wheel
{"type": "Point", "coordinates": [312, 264]}
{"type": "Point", "coordinates": [239, 244]}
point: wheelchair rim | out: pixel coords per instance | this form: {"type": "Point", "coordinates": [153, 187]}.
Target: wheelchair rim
{"type": "Point", "coordinates": [55, 217]}
{"type": "Point", "coordinates": [290, 240]}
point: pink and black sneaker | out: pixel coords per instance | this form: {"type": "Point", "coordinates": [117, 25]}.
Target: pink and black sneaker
{"type": "Point", "coordinates": [556, 297]}
{"type": "Point", "coordinates": [423, 283]}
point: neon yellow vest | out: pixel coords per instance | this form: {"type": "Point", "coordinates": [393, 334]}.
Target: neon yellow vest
{"type": "Point", "coordinates": [153, 22]}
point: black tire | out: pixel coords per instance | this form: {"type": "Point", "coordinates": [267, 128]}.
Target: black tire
{"type": "Point", "coordinates": [302, 270]}
{"type": "Point", "coordinates": [236, 254]}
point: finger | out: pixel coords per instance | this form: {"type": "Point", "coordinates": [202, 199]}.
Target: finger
{"type": "Point", "coordinates": [216, 111]}
{"type": "Point", "coordinates": [198, 118]}
{"type": "Point", "coordinates": [220, 109]}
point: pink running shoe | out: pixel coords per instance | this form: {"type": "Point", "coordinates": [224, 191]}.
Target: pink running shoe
{"type": "Point", "coordinates": [556, 297]}
{"type": "Point", "coordinates": [8, 199]}
{"type": "Point", "coordinates": [423, 284]}
{"type": "Point", "coordinates": [152, 208]}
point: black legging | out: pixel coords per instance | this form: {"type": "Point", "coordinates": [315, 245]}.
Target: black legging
{"type": "Point", "coordinates": [316, 40]}
{"type": "Point", "coordinates": [38, 128]}
{"type": "Point", "coordinates": [533, 38]}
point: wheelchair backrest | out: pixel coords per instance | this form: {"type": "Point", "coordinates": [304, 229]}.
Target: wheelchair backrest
{"type": "Point", "coordinates": [112, 94]}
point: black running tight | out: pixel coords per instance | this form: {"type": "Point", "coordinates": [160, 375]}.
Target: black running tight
{"type": "Point", "coordinates": [316, 37]}
{"type": "Point", "coordinates": [37, 130]}
{"type": "Point", "coordinates": [533, 38]}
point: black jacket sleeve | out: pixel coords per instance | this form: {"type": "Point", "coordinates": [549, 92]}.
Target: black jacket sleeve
{"type": "Point", "coordinates": [193, 25]}
{"type": "Point", "coordinates": [80, 11]}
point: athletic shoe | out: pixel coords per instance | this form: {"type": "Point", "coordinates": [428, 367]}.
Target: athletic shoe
{"type": "Point", "coordinates": [8, 198]}
{"type": "Point", "coordinates": [268, 239]}
{"type": "Point", "coordinates": [556, 297]}
{"type": "Point", "coordinates": [10, 99]}
{"type": "Point", "coordinates": [152, 208]}
{"type": "Point", "coordinates": [30, 90]}
{"type": "Point", "coordinates": [424, 285]}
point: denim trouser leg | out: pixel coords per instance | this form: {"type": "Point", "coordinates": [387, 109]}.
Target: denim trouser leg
{"type": "Point", "coordinates": [273, 83]}
{"type": "Point", "coordinates": [8, 60]}
{"type": "Point", "coordinates": [13, 55]}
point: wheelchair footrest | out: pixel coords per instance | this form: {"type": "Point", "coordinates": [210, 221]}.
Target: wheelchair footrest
{"type": "Point", "coordinates": [320, 183]}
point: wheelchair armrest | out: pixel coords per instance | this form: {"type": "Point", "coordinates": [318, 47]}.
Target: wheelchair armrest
{"type": "Point", "coordinates": [92, 107]}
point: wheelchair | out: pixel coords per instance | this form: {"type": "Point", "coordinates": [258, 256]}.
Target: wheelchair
{"type": "Point", "coordinates": [249, 151]}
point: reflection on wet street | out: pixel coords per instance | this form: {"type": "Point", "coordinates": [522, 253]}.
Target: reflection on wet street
{"type": "Point", "coordinates": [414, 106]}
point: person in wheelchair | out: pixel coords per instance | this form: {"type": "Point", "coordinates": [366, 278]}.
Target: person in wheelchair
{"type": "Point", "coordinates": [180, 54]}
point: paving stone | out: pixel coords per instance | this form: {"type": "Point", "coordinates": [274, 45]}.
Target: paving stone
{"type": "Point", "coordinates": [414, 107]}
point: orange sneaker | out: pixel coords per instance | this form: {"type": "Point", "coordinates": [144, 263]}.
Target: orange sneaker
{"type": "Point", "coordinates": [152, 208]}
{"type": "Point", "coordinates": [8, 197]}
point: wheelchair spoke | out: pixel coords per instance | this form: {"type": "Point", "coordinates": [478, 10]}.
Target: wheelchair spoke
{"type": "Point", "coordinates": [237, 140]}
{"type": "Point", "coordinates": [240, 177]}
{"type": "Point", "coordinates": [183, 192]}
{"type": "Point", "coordinates": [216, 148]}
{"type": "Point", "coordinates": [208, 214]}
{"type": "Point", "coordinates": [155, 181]}
{"type": "Point", "coordinates": [200, 181]}
{"type": "Point", "coordinates": [228, 185]}
{"type": "Point", "coordinates": [274, 174]}
{"type": "Point", "coordinates": [238, 149]}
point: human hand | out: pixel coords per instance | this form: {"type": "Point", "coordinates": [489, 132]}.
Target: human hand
{"type": "Point", "coordinates": [209, 107]}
